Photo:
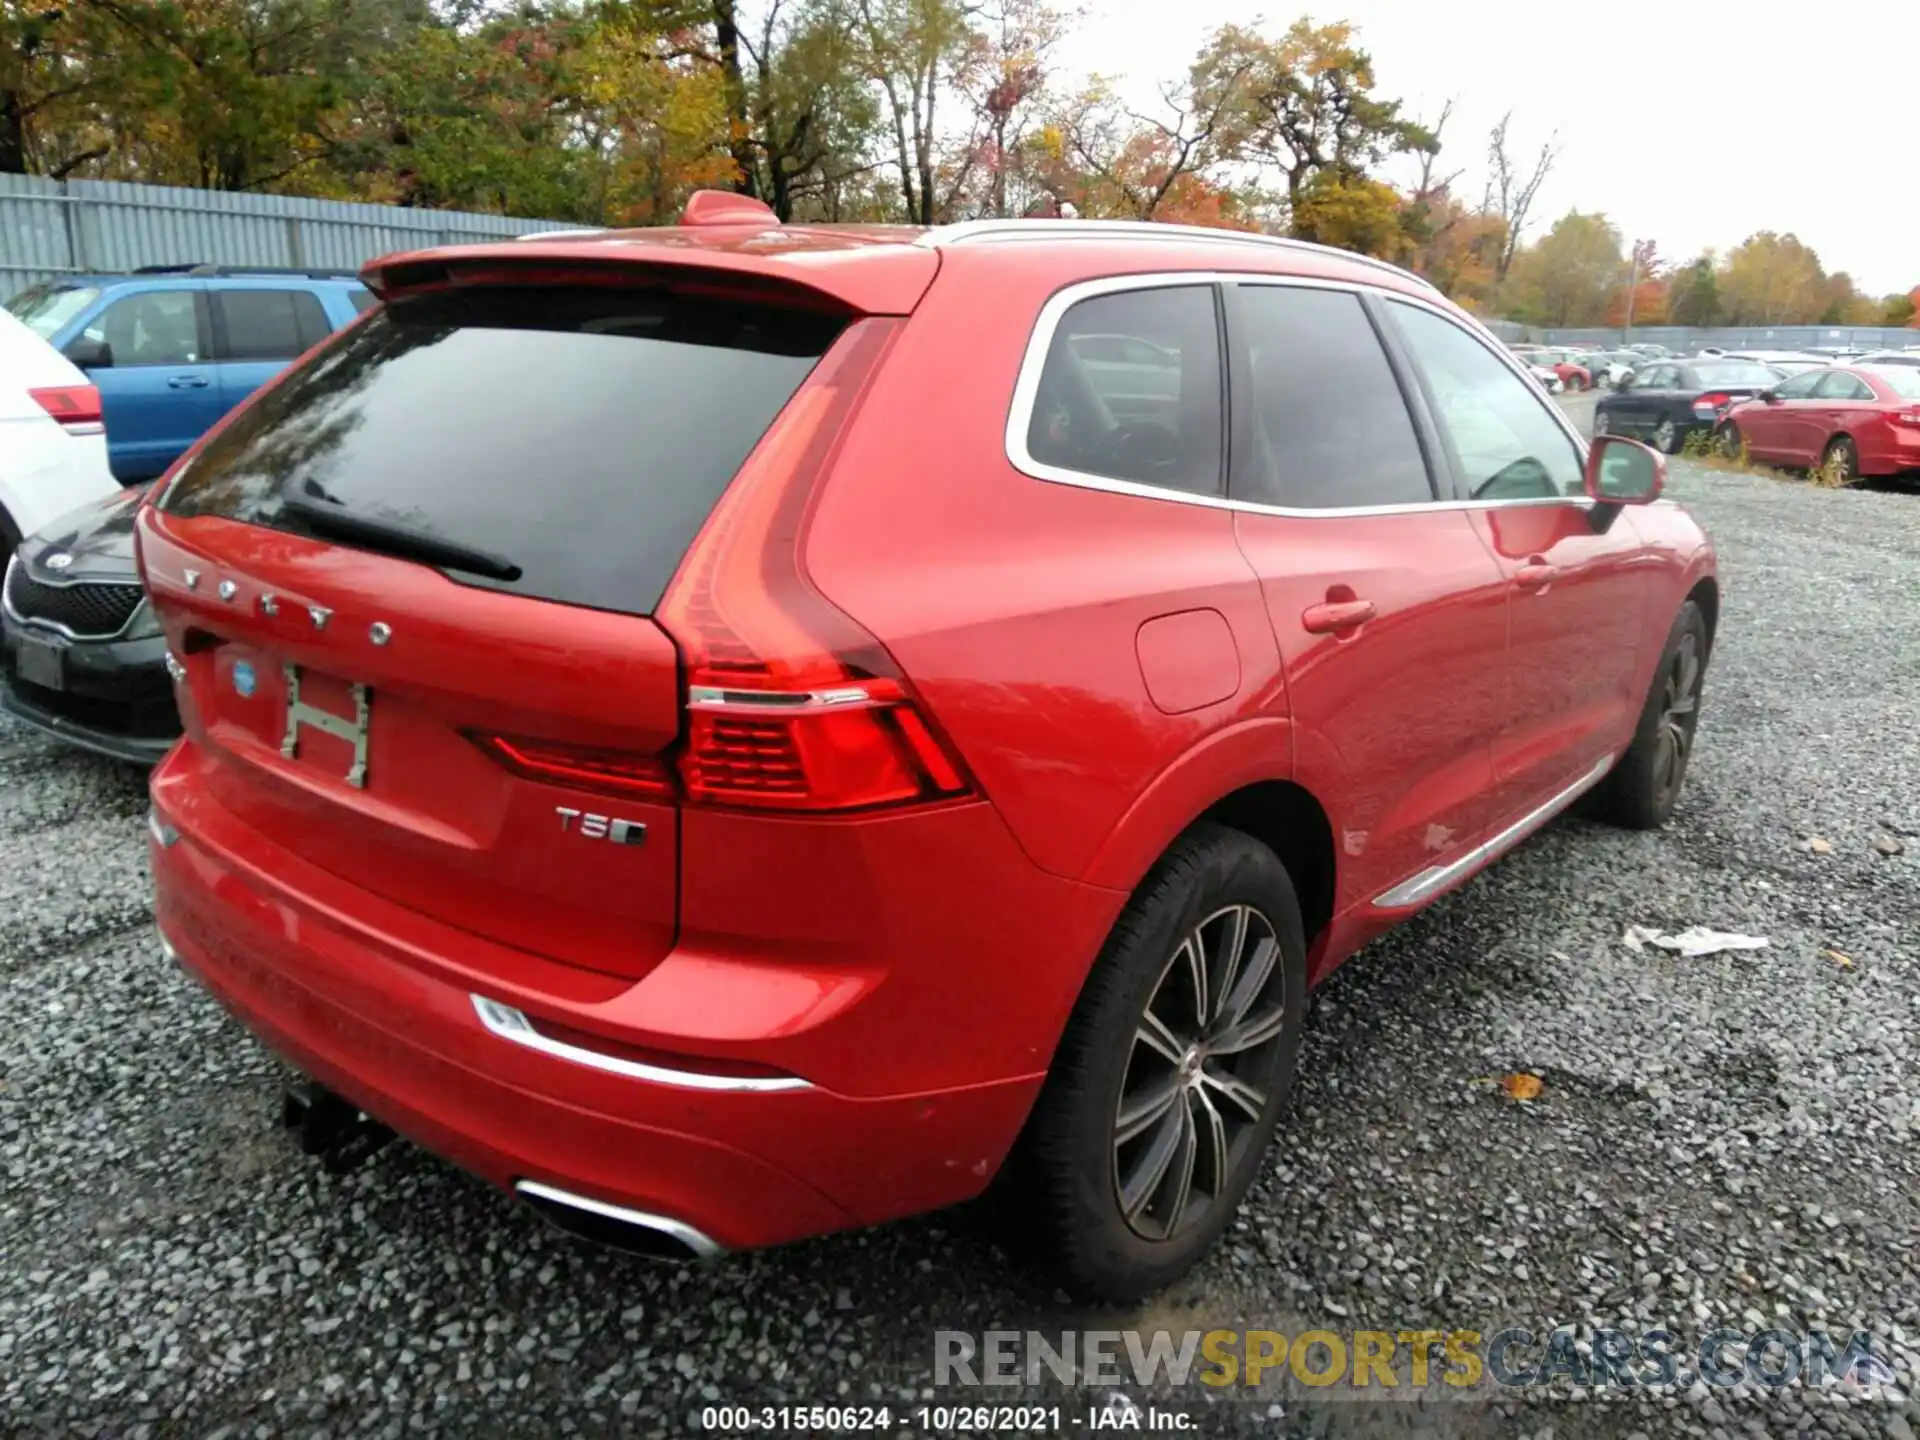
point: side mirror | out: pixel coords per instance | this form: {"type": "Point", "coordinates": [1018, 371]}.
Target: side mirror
{"type": "Point", "coordinates": [1771, 397]}
{"type": "Point", "coordinates": [1624, 472]}
{"type": "Point", "coordinates": [89, 353]}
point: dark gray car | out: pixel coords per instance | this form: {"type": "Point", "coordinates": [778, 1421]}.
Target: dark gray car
{"type": "Point", "coordinates": [82, 657]}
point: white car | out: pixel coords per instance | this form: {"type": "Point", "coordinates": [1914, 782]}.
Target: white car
{"type": "Point", "coordinates": [53, 445]}
{"type": "Point", "coordinates": [1889, 357]}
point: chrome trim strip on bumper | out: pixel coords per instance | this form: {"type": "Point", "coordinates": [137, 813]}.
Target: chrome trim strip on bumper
{"type": "Point", "coordinates": [698, 1241]}
{"type": "Point", "coordinates": [510, 1024]}
{"type": "Point", "coordinates": [1431, 881]}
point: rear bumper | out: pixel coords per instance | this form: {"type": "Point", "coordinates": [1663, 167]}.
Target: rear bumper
{"type": "Point", "coordinates": [1897, 452]}
{"type": "Point", "coordinates": [399, 1033]}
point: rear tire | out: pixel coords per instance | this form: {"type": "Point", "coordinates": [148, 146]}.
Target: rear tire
{"type": "Point", "coordinates": [1840, 464]}
{"type": "Point", "coordinates": [1666, 436]}
{"type": "Point", "coordinates": [1602, 423]}
{"type": "Point", "coordinates": [1727, 441]}
{"type": "Point", "coordinates": [1640, 791]}
{"type": "Point", "coordinates": [1157, 1065]}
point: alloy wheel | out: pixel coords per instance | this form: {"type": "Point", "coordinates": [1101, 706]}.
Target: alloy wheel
{"type": "Point", "coordinates": [1200, 1072]}
{"type": "Point", "coordinates": [1663, 436]}
{"type": "Point", "coordinates": [1679, 713]}
{"type": "Point", "coordinates": [1602, 422]}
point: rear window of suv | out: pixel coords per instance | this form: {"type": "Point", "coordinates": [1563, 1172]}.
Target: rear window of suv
{"type": "Point", "coordinates": [580, 435]}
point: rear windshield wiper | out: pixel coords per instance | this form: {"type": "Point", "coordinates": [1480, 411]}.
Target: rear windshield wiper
{"type": "Point", "coordinates": [397, 539]}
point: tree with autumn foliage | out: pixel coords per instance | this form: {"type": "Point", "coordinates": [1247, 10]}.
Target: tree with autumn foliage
{"type": "Point", "coordinates": [1569, 277]}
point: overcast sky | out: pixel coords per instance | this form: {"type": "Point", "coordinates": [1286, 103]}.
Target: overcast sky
{"type": "Point", "coordinates": [1691, 122]}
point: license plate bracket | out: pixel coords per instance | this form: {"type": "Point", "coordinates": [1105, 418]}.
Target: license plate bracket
{"type": "Point", "coordinates": [40, 662]}
{"type": "Point", "coordinates": [350, 728]}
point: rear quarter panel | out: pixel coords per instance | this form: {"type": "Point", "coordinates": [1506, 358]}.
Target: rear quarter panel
{"type": "Point", "coordinates": [1014, 604]}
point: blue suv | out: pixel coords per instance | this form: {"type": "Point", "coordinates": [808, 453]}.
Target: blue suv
{"type": "Point", "coordinates": [173, 348]}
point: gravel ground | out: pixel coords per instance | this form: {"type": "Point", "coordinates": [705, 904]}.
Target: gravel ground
{"type": "Point", "coordinates": [1727, 1140]}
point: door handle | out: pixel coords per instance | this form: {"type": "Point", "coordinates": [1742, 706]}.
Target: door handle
{"type": "Point", "coordinates": [187, 382]}
{"type": "Point", "coordinates": [1536, 574]}
{"type": "Point", "coordinates": [1335, 615]}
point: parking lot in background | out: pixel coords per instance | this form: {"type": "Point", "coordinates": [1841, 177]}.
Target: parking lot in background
{"type": "Point", "coordinates": [1720, 1140]}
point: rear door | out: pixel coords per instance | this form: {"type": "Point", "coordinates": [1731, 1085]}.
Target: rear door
{"type": "Point", "coordinates": [1768, 426]}
{"type": "Point", "coordinates": [1389, 613]}
{"type": "Point", "coordinates": [257, 331]}
{"type": "Point", "coordinates": [158, 388]}
{"type": "Point", "coordinates": [1846, 405]}
{"type": "Point", "coordinates": [1801, 427]}
{"type": "Point", "coordinates": [411, 588]}
{"type": "Point", "coordinates": [1576, 587]}
{"type": "Point", "coordinates": [1638, 408]}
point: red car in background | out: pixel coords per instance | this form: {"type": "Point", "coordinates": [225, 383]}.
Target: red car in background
{"type": "Point", "coordinates": [640, 747]}
{"type": "Point", "coordinates": [1855, 420]}
{"type": "Point", "coordinates": [1567, 365]}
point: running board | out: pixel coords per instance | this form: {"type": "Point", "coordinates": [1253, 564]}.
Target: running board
{"type": "Point", "coordinates": [1432, 881]}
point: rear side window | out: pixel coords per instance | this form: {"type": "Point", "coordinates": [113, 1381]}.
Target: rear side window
{"type": "Point", "coordinates": [581, 435]}
{"type": "Point", "coordinates": [1903, 380]}
{"type": "Point", "coordinates": [1327, 425]}
{"type": "Point", "coordinates": [1508, 443]}
{"type": "Point", "coordinates": [269, 324]}
{"type": "Point", "coordinates": [1131, 390]}
{"type": "Point", "coordinates": [1841, 386]}
{"type": "Point", "coordinates": [1736, 372]}
{"type": "Point", "coordinates": [362, 300]}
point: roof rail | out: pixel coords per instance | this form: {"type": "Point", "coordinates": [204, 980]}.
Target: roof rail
{"type": "Point", "coordinates": [967, 230]}
{"type": "Point", "coordinates": [201, 269]}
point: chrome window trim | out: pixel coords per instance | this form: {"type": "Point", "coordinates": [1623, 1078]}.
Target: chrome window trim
{"type": "Point", "coordinates": [1027, 386]}
{"type": "Point", "coordinates": [1429, 882]}
{"type": "Point", "coordinates": [34, 622]}
{"type": "Point", "coordinates": [513, 1026]}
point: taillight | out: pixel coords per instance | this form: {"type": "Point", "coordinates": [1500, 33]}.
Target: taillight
{"type": "Point", "coordinates": [619, 772]}
{"type": "Point", "coordinates": [1711, 404]}
{"type": "Point", "coordinates": [76, 407]}
{"type": "Point", "coordinates": [791, 705]}
{"type": "Point", "coordinates": [1907, 417]}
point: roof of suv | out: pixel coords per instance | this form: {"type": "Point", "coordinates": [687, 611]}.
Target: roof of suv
{"type": "Point", "coordinates": [200, 274]}
{"type": "Point", "coordinates": [884, 269]}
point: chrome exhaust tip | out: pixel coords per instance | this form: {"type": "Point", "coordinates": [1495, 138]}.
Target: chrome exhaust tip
{"type": "Point", "coordinates": [634, 1231]}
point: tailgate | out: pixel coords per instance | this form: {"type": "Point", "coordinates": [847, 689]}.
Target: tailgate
{"type": "Point", "coordinates": [411, 584]}
{"type": "Point", "coordinates": [433, 821]}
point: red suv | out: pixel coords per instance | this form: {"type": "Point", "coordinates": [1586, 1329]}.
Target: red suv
{"type": "Point", "coordinates": [740, 730]}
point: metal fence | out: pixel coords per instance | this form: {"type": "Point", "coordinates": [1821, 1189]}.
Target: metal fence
{"type": "Point", "coordinates": [1736, 337]}
{"type": "Point", "coordinates": [50, 228]}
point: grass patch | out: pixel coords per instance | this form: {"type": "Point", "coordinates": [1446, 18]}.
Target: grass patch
{"type": "Point", "coordinates": [1704, 448]}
